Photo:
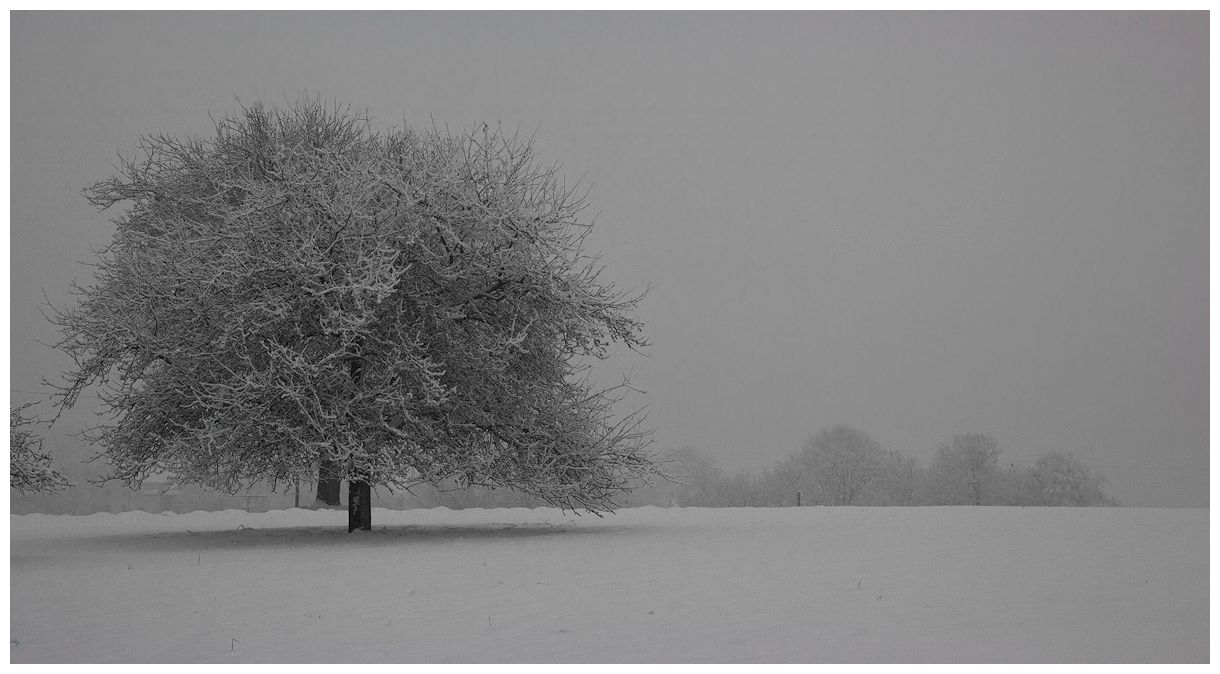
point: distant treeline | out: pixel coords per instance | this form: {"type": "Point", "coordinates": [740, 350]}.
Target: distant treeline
{"type": "Point", "coordinates": [844, 466]}
{"type": "Point", "coordinates": [839, 466]}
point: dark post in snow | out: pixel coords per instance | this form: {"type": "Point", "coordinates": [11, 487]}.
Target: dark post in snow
{"type": "Point", "coordinates": [359, 507]}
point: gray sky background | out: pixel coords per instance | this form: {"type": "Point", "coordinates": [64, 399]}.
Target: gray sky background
{"type": "Point", "coordinates": [916, 224]}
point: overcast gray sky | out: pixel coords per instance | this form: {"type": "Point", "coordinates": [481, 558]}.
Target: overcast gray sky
{"type": "Point", "coordinates": [916, 224]}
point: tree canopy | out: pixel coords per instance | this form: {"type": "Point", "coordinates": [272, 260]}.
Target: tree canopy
{"type": "Point", "coordinates": [300, 289]}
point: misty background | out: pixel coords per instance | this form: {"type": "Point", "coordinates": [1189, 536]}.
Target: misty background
{"type": "Point", "coordinates": [918, 224]}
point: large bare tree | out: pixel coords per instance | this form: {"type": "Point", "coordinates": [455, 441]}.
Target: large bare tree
{"type": "Point", "coordinates": [302, 295]}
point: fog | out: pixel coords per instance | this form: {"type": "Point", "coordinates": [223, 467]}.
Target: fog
{"type": "Point", "coordinates": [916, 224]}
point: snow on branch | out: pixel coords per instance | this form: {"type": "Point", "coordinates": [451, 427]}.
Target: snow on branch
{"type": "Point", "coordinates": [30, 468]}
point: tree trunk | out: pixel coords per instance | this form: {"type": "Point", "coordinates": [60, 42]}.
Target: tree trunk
{"type": "Point", "coordinates": [359, 506]}
{"type": "Point", "coordinates": [328, 485]}
{"type": "Point", "coordinates": [359, 494]}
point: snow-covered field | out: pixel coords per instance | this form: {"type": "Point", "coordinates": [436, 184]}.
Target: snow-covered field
{"type": "Point", "coordinates": [642, 585]}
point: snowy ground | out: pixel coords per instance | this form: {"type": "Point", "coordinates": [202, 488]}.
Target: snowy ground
{"type": "Point", "coordinates": [643, 585]}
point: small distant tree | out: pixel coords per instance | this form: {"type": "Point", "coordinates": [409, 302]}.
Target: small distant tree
{"type": "Point", "coordinates": [841, 463]}
{"type": "Point", "coordinates": [1013, 487]}
{"type": "Point", "coordinates": [300, 295]}
{"type": "Point", "coordinates": [1061, 480]}
{"type": "Point", "coordinates": [30, 468]}
{"type": "Point", "coordinates": [896, 481]}
{"type": "Point", "coordinates": [780, 483]}
{"type": "Point", "coordinates": [965, 471]}
{"type": "Point", "coordinates": [741, 489]}
{"type": "Point", "coordinates": [698, 479]}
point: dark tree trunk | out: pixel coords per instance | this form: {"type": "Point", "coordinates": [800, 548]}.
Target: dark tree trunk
{"type": "Point", "coordinates": [359, 493]}
{"type": "Point", "coordinates": [328, 484]}
{"type": "Point", "coordinates": [359, 506]}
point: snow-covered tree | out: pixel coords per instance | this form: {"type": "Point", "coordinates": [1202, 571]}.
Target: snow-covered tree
{"type": "Point", "coordinates": [965, 471]}
{"type": "Point", "coordinates": [839, 463]}
{"type": "Point", "coordinates": [301, 295]}
{"type": "Point", "coordinates": [696, 479]}
{"type": "Point", "coordinates": [29, 467]}
{"type": "Point", "coordinates": [896, 481]}
{"type": "Point", "coordinates": [1061, 480]}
